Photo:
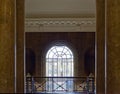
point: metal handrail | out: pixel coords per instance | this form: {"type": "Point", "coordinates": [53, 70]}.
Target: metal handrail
{"type": "Point", "coordinates": [60, 84]}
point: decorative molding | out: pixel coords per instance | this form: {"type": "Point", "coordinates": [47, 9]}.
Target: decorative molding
{"type": "Point", "coordinates": [60, 15]}
{"type": "Point", "coordinates": [60, 24]}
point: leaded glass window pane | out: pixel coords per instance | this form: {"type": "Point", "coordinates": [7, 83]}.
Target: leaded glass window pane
{"type": "Point", "coordinates": [59, 63]}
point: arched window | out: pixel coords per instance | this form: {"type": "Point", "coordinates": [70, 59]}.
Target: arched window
{"type": "Point", "coordinates": [59, 62]}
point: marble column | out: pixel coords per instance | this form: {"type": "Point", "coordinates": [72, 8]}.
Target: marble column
{"type": "Point", "coordinates": [20, 46]}
{"type": "Point", "coordinates": [7, 45]}
{"type": "Point", "coordinates": [100, 47]}
{"type": "Point", "coordinates": [113, 46]}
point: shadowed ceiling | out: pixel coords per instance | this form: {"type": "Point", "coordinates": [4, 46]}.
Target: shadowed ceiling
{"type": "Point", "coordinates": [37, 8]}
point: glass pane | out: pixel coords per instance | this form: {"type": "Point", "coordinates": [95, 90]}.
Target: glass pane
{"type": "Point", "coordinates": [60, 48]}
{"type": "Point", "coordinates": [59, 63]}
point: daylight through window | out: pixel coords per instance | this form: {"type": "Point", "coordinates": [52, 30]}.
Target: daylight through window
{"type": "Point", "coordinates": [59, 62]}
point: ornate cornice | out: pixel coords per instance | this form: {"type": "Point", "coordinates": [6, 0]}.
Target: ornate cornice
{"type": "Point", "coordinates": [58, 24]}
{"type": "Point", "coordinates": [60, 16]}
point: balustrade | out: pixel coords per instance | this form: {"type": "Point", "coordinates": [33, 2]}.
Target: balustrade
{"type": "Point", "coordinates": [60, 84]}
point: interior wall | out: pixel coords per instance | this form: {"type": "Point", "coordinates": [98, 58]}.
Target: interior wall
{"type": "Point", "coordinates": [79, 43]}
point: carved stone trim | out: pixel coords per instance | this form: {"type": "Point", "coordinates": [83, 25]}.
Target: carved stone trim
{"type": "Point", "coordinates": [61, 16]}
{"type": "Point", "coordinates": [60, 24]}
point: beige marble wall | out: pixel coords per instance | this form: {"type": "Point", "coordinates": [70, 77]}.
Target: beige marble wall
{"type": "Point", "coordinates": [7, 46]}
{"type": "Point", "coordinates": [113, 46]}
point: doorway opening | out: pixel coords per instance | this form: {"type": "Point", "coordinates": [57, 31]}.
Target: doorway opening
{"type": "Point", "coordinates": [59, 20]}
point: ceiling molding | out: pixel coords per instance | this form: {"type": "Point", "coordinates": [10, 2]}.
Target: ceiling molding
{"type": "Point", "coordinates": [60, 16]}
{"type": "Point", "coordinates": [60, 24]}
{"type": "Point", "coordinates": [44, 21]}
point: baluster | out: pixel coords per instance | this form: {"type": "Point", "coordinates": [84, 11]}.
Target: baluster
{"type": "Point", "coordinates": [91, 83]}
{"type": "Point", "coordinates": [29, 83]}
{"type": "Point", "coordinates": [32, 85]}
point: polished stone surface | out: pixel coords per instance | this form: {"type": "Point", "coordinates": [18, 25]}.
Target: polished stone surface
{"type": "Point", "coordinates": [7, 46]}
{"type": "Point", "coordinates": [100, 47]}
{"type": "Point", "coordinates": [20, 45]}
{"type": "Point", "coordinates": [113, 46]}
